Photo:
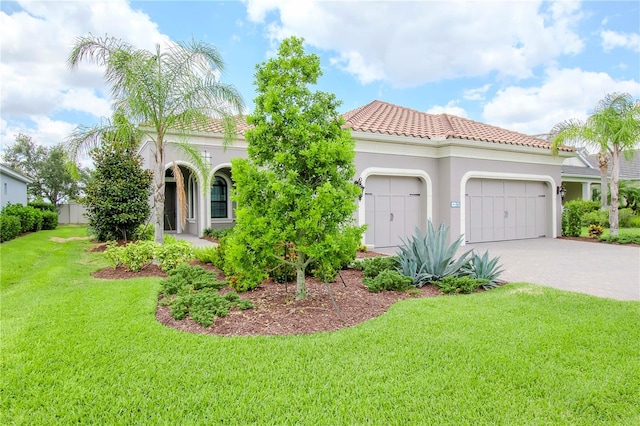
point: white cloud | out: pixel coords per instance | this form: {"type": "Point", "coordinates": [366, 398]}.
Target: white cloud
{"type": "Point", "coordinates": [36, 43]}
{"type": "Point", "coordinates": [412, 43]}
{"type": "Point", "coordinates": [477, 94]}
{"type": "Point", "coordinates": [44, 131]}
{"type": "Point", "coordinates": [564, 94]}
{"type": "Point", "coordinates": [450, 108]}
{"type": "Point", "coordinates": [613, 39]}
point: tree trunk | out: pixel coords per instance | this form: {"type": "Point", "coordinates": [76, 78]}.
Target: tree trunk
{"type": "Point", "coordinates": [158, 195]}
{"type": "Point", "coordinates": [603, 162]}
{"type": "Point", "coordinates": [301, 287]}
{"type": "Point", "coordinates": [615, 176]}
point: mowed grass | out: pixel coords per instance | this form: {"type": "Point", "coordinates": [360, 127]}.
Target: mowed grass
{"type": "Point", "coordinates": [81, 350]}
{"type": "Point", "coordinates": [584, 231]}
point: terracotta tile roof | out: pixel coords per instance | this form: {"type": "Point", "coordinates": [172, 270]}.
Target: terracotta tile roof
{"type": "Point", "coordinates": [384, 118]}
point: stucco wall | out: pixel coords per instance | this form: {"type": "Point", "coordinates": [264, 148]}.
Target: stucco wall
{"type": "Point", "coordinates": [72, 213]}
{"type": "Point", "coordinates": [12, 191]}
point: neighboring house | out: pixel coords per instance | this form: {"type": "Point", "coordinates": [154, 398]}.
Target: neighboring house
{"type": "Point", "coordinates": [581, 174]}
{"type": "Point", "coordinates": [13, 187]}
{"type": "Point", "coordinates": [485, 182]}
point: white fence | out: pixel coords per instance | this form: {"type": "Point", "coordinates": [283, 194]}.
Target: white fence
{"type": "Point", "coordinates": [72, 213]}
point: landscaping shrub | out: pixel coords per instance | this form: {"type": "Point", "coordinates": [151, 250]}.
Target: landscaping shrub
{"type": "Point", "coordinates": [9, 227]}
{"type": "Point", "coordinates": [464, 284]}
{"type": "Point", "coordinates": [42, 206]}
{"type": "Point", "coordinates": [624, 218]}
{"type": "Point", "coordinates": [373, 266]}
{"type": "Point", "coordinates": [173, 253]}
{"type": "Point", "coordinates": [134, 256]}
{"type": "Point", "coordinates": [194, 291]}
{"type": "Point", "coordinates": [484, 268]}
{"type": "Point", "coordinates": [572, 218]}
{"type": "Point", "coordinates": [598, 217]}
{"type": "Point", "coordinates": [634, 222]}
{"type": "Point", "coordinates": [595, 231]}
{"type": "Point", "coordinates": [49, 220]}
{"type": "Point", "coordinates": [144, 232]}
{"type": "Point", "coordinates": [430, 257]}
{"type": "Point", "coordinates": [388, 279]}
{"type": "Point", "coordinates": [217, 234]}
{"type": "Point", "coordinates": [30, 218]}
{"type": "Point", "coordinates": [205, 254]}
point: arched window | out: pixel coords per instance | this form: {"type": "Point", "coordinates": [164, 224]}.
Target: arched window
{"type": "Point", "coordinates": [219, 197]}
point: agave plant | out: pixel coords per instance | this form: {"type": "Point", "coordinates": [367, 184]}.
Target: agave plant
{"type": "Point", "coordinates": [484, 268]}
{"type": "Point", "coordinates": [430, 257]}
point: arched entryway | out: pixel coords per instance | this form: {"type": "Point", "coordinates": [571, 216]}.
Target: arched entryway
{"type": "Point", "coordinates": [182, 200]}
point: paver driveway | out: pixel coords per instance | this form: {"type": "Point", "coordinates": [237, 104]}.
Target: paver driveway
{"type": "Point", "coordinates": [604, 270]}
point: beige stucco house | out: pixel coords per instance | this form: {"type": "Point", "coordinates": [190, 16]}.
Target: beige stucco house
{"type": "Point", "coordinates": [485, 182]}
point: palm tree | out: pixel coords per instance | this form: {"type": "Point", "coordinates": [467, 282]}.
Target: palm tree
{"type": "Point", "coordinates": [612, 127]}
{"type": "Point", "coordinates": [175, 88]}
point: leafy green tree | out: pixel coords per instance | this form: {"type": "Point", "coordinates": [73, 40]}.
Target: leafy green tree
{"type": "Point", "coordinates": [47, 167]}
{"type": "Point", "coordinates": [117, 194]}
{"type": "Point", "coordinates": [175, 89]}
{"type": "Point", "coordinates": [296, 188]}
{"type": "Point", "coordinates": [614, 127]}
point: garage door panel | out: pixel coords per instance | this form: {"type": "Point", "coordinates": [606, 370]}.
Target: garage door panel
{"type": "Point", "coordinates": [503, 210]}
{"type": "Point", "coordinates": [393, 210]}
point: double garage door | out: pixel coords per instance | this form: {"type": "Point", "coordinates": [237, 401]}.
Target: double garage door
{"type": "Point", "coordinates": [393, 208]}
{"type": "Point", "coordinates": [505, 210]}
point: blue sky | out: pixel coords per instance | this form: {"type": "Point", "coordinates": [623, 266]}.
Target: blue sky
{"type": "Point", "coordinates": [520, 65]}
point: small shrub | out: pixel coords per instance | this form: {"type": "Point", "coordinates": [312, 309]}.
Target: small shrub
{"type": "Point", "coordinates": [598, 217]}
{"type": "Point", "coordinates": [624, 217]}
{"type": "Point", "coordinates": [595, 231]}
{"type": "Point", "coordinates": [465, 284]}
{"type": "Point", "coordinates": [144, 232]}
{"type": "Point", "coordinates": [9, 227]}
{"type": "Point", "coordinates": [572, 218]}
{"type": "Point", "coordinates": [373, 266]}
{"type": "Point", "coordinates": [388, 279]}
{"type": "Point", "coordinates": [205, 254]}
{"type": "Point", "coordinates": [113, 253]}
{"type": "Point", "coordinates": [49, 220]}
{"type": "Point", "coordinates": [634, 222]}
{"type": "Point", "coordinates": [173, 253]}
{"type": "Point", "coordinates": [216, 234]}
{"type": "Point", "coordinates": [136, 256]}
{"type": "Point", "coordinates": [362, 248]}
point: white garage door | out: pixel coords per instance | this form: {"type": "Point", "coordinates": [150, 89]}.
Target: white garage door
{"type": "Point", "coordinates": [393, 208]}
{"type": "Point", "coordinates": [505, 210]}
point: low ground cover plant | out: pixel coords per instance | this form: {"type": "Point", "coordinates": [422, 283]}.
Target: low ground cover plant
{"type": "Point", "coordinates": [460, 284]}
{"type": "Point", "coordinates": [218, 233]}
{"type": "Point", "coordinates": [194, 291]}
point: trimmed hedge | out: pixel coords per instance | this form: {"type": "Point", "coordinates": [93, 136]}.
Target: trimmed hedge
{"type": "Point", "coordinates": [42, 206]}
{"type": "Point", "coordinates": [9, 227]}
{"type": "Point", "coordinates": [49, 220]}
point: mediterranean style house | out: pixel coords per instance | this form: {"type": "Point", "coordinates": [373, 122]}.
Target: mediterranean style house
{"type": "Point", "coordinates": [485, 182]}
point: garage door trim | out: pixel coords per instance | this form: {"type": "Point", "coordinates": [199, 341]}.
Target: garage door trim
{"type": "Point", "coordinates": [382, 171]}
{"type": "Point", "coordinates": [506, 176]}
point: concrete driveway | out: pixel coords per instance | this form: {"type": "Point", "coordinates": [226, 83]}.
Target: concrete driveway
{"type": "Point", "coordinates": [603, 270]}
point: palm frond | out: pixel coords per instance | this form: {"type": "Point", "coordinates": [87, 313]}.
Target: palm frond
{"type": "Point", "coordinates": [182, 195]}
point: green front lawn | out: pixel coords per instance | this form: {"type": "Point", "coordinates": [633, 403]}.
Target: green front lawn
{"type": "Point", "coordinates": [81, 350]}
{"type": "Point", "coordinates": [584, 231]}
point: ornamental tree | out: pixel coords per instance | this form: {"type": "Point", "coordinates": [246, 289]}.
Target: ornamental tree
{"type": "Point", "coordinates": [296, 188]}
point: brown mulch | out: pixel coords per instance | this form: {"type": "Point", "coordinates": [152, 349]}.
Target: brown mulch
{"type": "Point", "coordinates": [276, 312]}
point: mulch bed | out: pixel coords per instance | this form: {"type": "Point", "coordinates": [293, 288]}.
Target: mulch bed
{"type": "Point", "coordinates": [276, 312]}
{"type": "Point", "coordinates": [595, 240]}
